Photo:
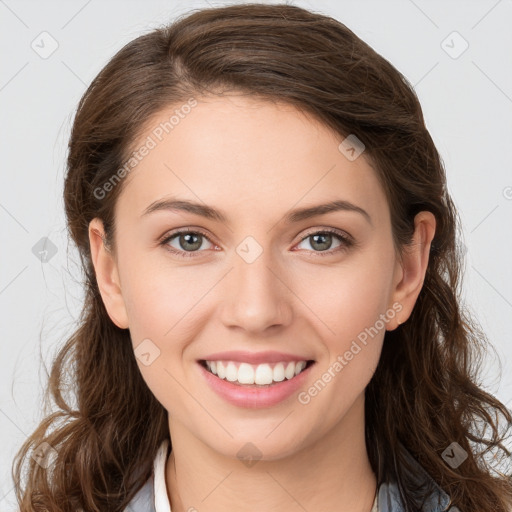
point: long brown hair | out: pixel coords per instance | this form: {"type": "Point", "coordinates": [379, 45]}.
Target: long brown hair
{"type": "Point", "coordinates": [425, 391]}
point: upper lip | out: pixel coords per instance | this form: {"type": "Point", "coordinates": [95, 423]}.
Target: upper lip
{"type": "Point", "coordinates": [254, 357]}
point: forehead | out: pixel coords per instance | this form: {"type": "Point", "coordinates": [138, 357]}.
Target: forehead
{"type": "Point", "coordinates": [242, 153]}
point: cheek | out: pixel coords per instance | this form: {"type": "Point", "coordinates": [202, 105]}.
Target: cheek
{"type": "Point", "coordinates": [352, 307]}
{"type": "Point", "coordinates": [348, 299]}
{"type": "Point", "coordinates": [161, 304]}
{"type": "Point", "coordinates": [159, 296]}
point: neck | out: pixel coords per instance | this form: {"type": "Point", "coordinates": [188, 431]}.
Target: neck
{"type": "Point", "coordinates": [331, 473]}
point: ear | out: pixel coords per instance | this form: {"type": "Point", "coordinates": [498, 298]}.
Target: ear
{"type": "Point", "coordinates": [107, 275]}
{"type": "Point", "coordinates": [410, 272]}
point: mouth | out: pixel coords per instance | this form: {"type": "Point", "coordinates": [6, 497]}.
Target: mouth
{"type": "Point", "coordinates": [256, 376]}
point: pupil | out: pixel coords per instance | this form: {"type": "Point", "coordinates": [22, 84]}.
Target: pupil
{"type": "Point", "coordinates": [323, 245]}
{"type": "Point", "coordinates": [186, 238]}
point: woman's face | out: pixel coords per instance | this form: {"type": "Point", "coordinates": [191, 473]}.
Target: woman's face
{"type": "Point", "coordinates": [259, 280]}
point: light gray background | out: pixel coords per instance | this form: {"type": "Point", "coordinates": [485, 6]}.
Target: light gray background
{"type": "Point", "coordinates": [467, 103]}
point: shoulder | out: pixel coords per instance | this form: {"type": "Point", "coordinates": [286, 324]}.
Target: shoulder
{"type": "Point", "coordinates": [437, 499]}
{"type": "Point", "coordinates": [153, 495]}
{"type": "Point", "coordinates": [144, 500]}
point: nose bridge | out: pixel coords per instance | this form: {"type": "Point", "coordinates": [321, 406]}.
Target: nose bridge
{"type": "Point", "coordinates": [256, 294]}
{"type": "Point", "coordinates": [255, 267]}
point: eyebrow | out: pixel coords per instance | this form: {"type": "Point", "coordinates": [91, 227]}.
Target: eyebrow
{"type": "Point", "coordinates": [292, 216]}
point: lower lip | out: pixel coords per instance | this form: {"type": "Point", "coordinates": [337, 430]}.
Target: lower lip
{"type": "Point", "coordinates": [254, 398]}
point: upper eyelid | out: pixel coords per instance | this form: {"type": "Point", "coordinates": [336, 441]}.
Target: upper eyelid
{"type": "Point", "coordinates": [181, 231]}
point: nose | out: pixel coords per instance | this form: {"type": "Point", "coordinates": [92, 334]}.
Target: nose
{"type": "Point", "coordinates": [258, 295]}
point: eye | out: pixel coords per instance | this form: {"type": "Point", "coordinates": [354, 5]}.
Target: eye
{"type": "Point", "coordinates": [321, 241]}
{"type": "Point", "coordinates": [188, 241]}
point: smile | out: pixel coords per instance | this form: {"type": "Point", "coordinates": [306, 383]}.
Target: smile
{"type": "Point", "coordinates": [237, 382]}
{"type": "Point", "coordinates": [261, 374]}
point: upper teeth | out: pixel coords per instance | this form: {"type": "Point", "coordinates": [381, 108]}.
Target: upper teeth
{"type": "Point", "coordinates": [260, 374]}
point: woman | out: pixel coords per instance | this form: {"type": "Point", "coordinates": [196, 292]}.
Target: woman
{"type": "Point", "coordinates": [308, 350]}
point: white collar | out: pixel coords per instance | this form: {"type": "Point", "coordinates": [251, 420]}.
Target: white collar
{"type": "Point", "coordinates": [161, 499]}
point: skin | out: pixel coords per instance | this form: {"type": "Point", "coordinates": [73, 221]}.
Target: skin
{"type": "Point", "coordinates": [255, 161]}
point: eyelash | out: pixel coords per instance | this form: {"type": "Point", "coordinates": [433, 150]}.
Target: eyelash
{"type": "Point", "coordinates": [347, 242]}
